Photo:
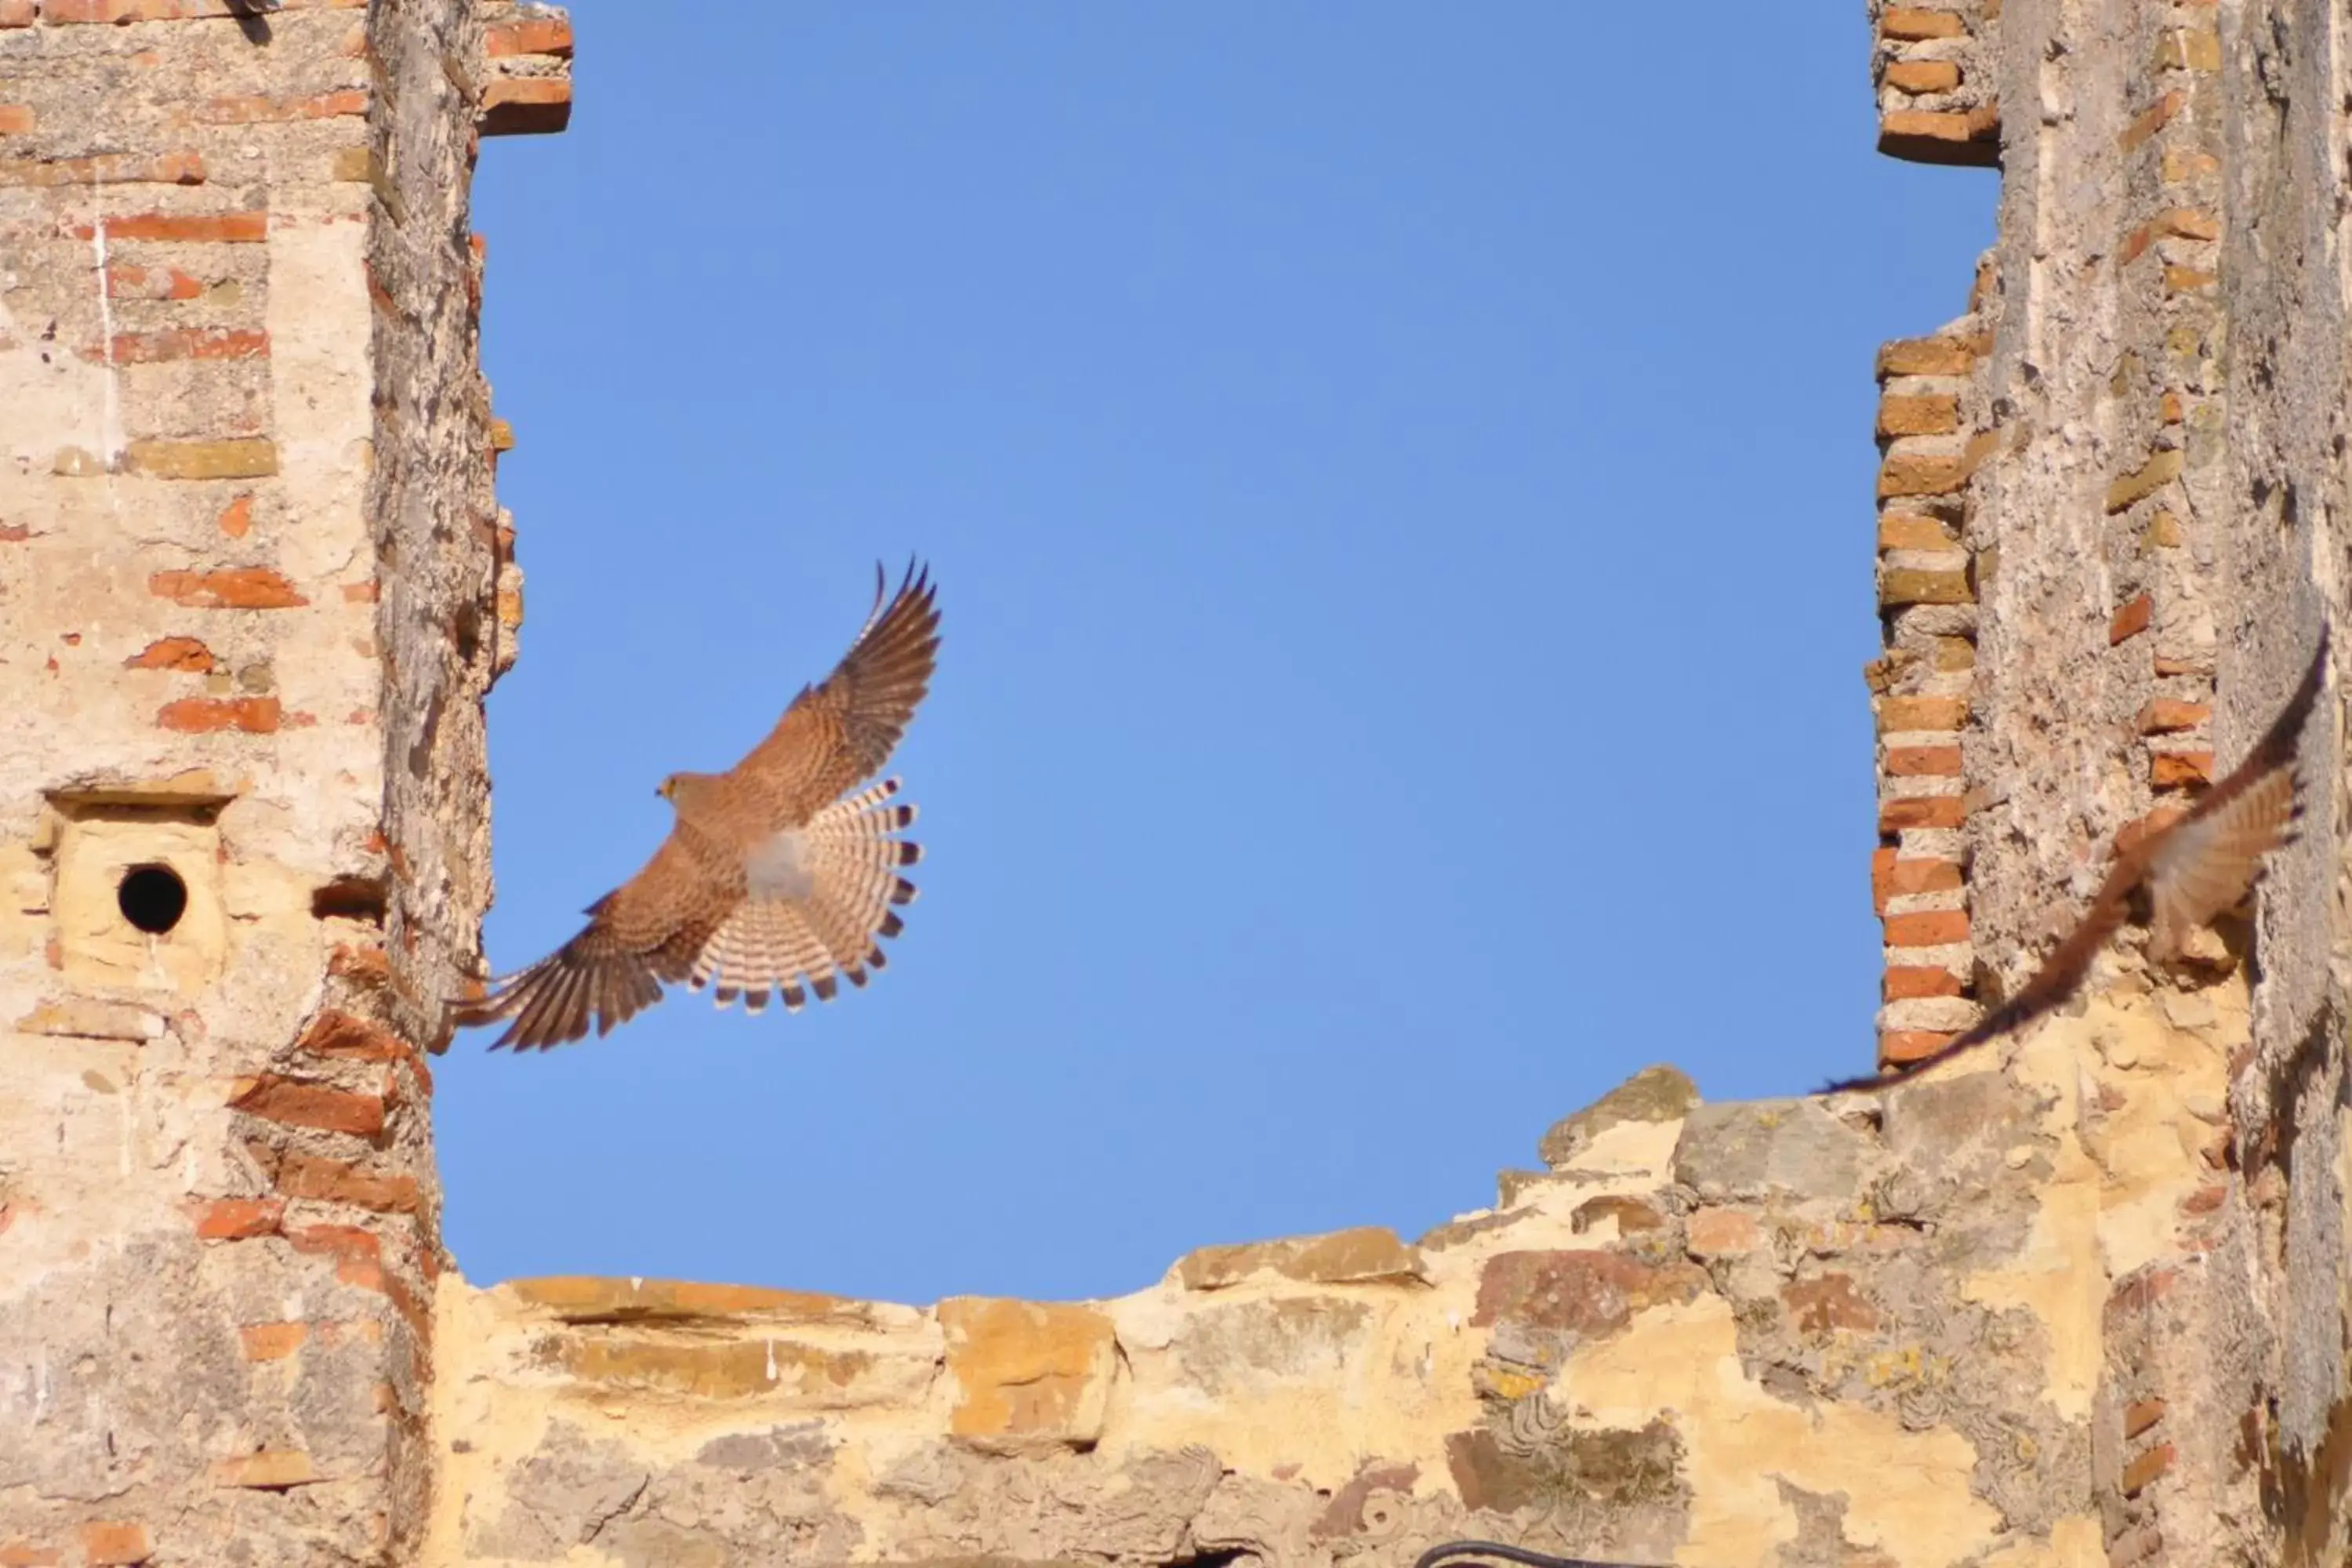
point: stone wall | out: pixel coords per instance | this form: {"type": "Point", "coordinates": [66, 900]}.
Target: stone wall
{"type": "Point", "coordinates": [241, 791]}
{"type": "Point", "coordinates": [2080, 1302]}
{"type": "Point", "coordinates": [1788, 1332]}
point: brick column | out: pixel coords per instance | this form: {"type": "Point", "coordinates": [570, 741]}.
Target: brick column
{"type": "Point", "coordinates": [218, 1214]}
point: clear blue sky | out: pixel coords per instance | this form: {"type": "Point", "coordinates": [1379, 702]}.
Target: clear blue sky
{"type": "Point", "coordinates": [1400, 485]}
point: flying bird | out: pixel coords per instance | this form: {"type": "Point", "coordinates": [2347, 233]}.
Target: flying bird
{"type": "Point", "coordinates": [2189, 870]}
{"type": "Point", "coordinates": [774, 877]}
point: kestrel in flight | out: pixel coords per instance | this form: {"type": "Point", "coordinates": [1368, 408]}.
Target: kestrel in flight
{"type": "Point", "coordinates": [2191, 869]}
{"type": "Point", "coordinates": [774, 874]}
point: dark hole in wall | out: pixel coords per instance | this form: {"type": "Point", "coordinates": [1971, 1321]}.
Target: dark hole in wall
{"type": "Point", "coordinates": [152, 898]}
{"type": "Point", "coordinates": [350, 898]}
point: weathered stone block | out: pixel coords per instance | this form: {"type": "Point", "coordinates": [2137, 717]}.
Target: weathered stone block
{"type": "Point", "coordinates": [1367, 1255]}
{"type": "Point", "coordinates": [1659, 1093]}
{"type": "Point", "coordinates": [1027, 1375]}
{"type": "Point", "coordinates": [1768, 1147]}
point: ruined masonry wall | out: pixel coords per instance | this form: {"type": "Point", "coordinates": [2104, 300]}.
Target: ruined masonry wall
{"type": "Point", "coordinates": [2109, 533]}
{"type": "Point", "coordinates": [237, 399]}
{"type": "Point", "coordinates": [2079, 1303]}
{"type": "Point", "coordinates": [1777, 1333]}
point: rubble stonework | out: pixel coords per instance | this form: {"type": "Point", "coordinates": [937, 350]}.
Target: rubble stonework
{"type": "Point", "coordinates": [2079, 1303]}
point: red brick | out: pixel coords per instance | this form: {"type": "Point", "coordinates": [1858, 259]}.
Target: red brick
{"type": "Point", "coordinates": [1914, 473]}
{"type": "Point", "coordinates": [540, 36]}
{"type": "Point", "coordinates": [1927, 928]}
{"type": "Point", "coordinates": [15, 119]}
{"type": "Point", "coordinates": [528, 105]}
{"type": "Point", "coordinates": [238, 1219]}
{"type": "Point", "coordinates": [299, 1104]}
{"type": "Point", "coordinates": [15, 12]}
{"type": "Point", "coordinates": [1904, 531]}
{"type": "Point", "coordinates": [2151, 121]}
{"type": "Point", "coordinates": [2141, 1472]}
{"type": "Point", "coordinates": [338, 1036]}
{"type": "Point", "coordinates": [360, 593]}
{"type": "Point", "coordinates": [21, 1553]}
{"type": "Point", "coordinates": [227, 588]}
{"type": "Point", "coordinates": [15, 532]}
{"type": "Point", "coordinates": [1926, 356]}
{"type": "Point", "coordinates": [340, 1181]}
{"type": "Point", "coordinates": [2139, 1417]}
{"type": "Point", "coordinates": [2188, 223]}
{"type": "Point", "coordinates": [1917, 25]}
{"type": "Point", "coordinates": [1922, 875]}
{"type": "Point", "coordinates": [1933, 414]}
{"type": "Point", "coordinates": [204, 715]}
{"type": "Point", "coordinates": [366, 1274]}
{"type": "Point", "coordinates": [343, 1243]}
{"type": "Point", "coordinates": [2163, 713]}
{"type": "Point", "coordinates": [1922, 811]}
{"type": "Point", "coordinates": [1906, 980]}
{"type": "Point", "coordinates": [1898, 1046]}
{"type": "Point", "coordinates": [105, 169]}
{"type": "Point", "coordinates": [107, 1544]}
{"type": "Point", "coordinates": [1972, 136]}
{"type": "Point", "coordinates": [207, 228]}
{"type": "Point", "coordinates": [1903, 714]}
{"type": "Point", "coordinates": [184, 654]}
{"type": "Point", "coordinates": [125, 11]}
{"type": "Point", "coordinates": [236, 517]}
{"type": "Point", "coordinates": [2131, 618]}
{"type": "Point", "coordinates": [272, 1341]}
{"type": "Point", "coordinates": [2171, 770]}
{"type": "Point", "coordinates": [254, 110]}
{"type": "Point", "coordinates": [1923, 762]}
{"type": "Point", "coordinates": [124, 282]}
{"type": "Point", "coordinates": [179, 342]}
{"type": "Point", "coordinates": [1882, 866]}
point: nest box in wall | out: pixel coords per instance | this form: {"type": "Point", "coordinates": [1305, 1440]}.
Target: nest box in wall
{"type": "Point", "coordinates": [135, 888]}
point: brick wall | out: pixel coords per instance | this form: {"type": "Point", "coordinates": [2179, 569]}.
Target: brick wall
{"type": "Point", "coordinates": [230, 891]}
{"type": "Point", "coordinates": [2107, 534]}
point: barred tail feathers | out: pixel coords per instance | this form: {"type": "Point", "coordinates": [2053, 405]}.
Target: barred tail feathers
{"type": "Point", "coordinates": [789, 946]}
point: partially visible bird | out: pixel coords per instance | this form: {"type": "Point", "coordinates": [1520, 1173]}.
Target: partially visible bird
{"type": "Point", "coordinates": [774, 876]}
{"type": "Point", "coordinates": [2191, 869]}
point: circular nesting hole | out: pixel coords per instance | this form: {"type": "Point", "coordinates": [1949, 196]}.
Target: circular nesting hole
{"type": "Point", "coordinates": [152, 898]}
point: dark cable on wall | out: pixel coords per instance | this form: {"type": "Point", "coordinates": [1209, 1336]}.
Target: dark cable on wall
{"type": "Point", "coordinates": [1464, 1550]}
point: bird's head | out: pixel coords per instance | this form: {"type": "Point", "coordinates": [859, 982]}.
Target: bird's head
{"type": "Point", "coordinates": [683, 790]}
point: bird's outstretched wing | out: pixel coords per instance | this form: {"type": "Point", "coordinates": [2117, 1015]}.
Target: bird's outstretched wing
{"type": "Point", "coordinates": [840, 731]}
{"type": "Point", "coordinates": [2194, 869]}
{"type": "Point", "coordinates": [642, 934]}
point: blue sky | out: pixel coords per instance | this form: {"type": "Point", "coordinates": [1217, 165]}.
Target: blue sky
{"type": "Point", "coordinates": [1400, 488]}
